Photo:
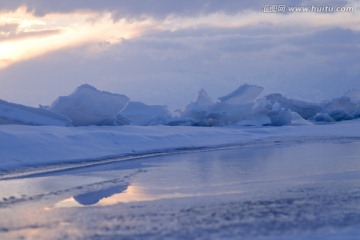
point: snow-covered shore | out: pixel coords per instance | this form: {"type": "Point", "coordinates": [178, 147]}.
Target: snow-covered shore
{"type": "Point", "coordinates": [31, 146]}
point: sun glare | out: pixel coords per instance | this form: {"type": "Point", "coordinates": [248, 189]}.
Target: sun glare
{"type": "Point", "coordinates": [34, 36]}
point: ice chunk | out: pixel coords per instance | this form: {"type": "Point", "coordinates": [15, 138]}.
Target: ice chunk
{"type": "Point", "coordinates": [89, 106]}
{"type": "Point", "coordinates": [344, 104]}
{"type": "Point", "coordinates": [11, 113]}
{"type": "Point", "coordinates": [305, 109]}
{"type": "Point", "coordinates": [276, 106]}
{"type": "Point", "coordinates": [322, 117]}
{"type": "Point", "coordinates": [203, 99]}
{"type": "Point", "coordinates": [281, 117]}
{"type": "Point", "coordinates": [340, 115]}
{"type": "Point", "coordinates": [118, 120]}
{"type": "Point", "coordinates": [297, 120]}
{"type": "Point", "coordinates": [284, 111]}
{"type": "Point", "coordinates": [214, 119]}
{"type": "Point", "coordinates": [231, 113]}
{"type": "Point", "coordinates": [242, 95]}
{"type": "Point", "coordinates": [346, 107]}
{"type": "Point", "coordinates": [218, 114]}
{"type": "Point", "coordinates": [196, 113]}
{"type": "Point", "coordinates": [231, 109]}
{"type": "Point", "coordinates": [139, 113]}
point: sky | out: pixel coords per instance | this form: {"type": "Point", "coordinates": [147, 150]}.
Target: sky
{"type": "Point", "coordinates": [164, 52]}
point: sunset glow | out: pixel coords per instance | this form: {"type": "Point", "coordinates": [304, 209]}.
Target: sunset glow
{"type": "Point", "coordinates": [33, 36]}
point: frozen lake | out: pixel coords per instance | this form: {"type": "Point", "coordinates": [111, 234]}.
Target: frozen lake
{"type": "Point", "coordinates": [296, 191]}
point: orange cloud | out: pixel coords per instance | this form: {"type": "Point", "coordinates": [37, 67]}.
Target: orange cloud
{"type": "Point", "coordinates": [34, 36]}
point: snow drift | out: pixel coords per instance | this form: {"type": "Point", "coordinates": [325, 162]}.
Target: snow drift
{"type": "Point", "coordinates": [32, 146]}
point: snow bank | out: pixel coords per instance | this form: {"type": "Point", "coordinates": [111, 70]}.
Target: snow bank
{"type": "Point", "coordinates": [11, 113]}
{"type": "Point", "coordinates": [27, 146]}
{"type": "Point", "coordinates": [89, 106]}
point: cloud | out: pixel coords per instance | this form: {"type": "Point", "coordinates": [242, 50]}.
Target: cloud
{"type": "Point", "coordinates": [170, 67]}
{"type": "Point", "coordinates": [153, 8]}
{"type": "Point", "coordinates": [9, 32]}
{"type": "Point", "coordinates": [25, 36]}
{"type": "Point", "coordinates": [163, 54]}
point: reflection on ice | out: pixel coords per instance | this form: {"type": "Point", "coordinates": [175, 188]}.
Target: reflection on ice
{"type": "Point", "coordinates": [247, 171]}
{"type": "Point", "coordinates": [136, 193]}
{"type": "Point", "coordinates": [109, 196]}
{"type": "Point", "coordinates": [271, 189]}
{"type": "Point", "coordinates": [132, 194]}
{"type": "Point", "coordinates": [91, 198]}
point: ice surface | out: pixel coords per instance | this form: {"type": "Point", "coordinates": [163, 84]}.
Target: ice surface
{"type": "Point", "coordinates": [94, 197]}
{"type": "Point", "coordinates": [139, 113]}
{"type": "Point", "coordinates": [290, 191]}
{"type": "Point", "coordinates": [89, 106]}
{"type": "Point", "coordinates": [11, 113]}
